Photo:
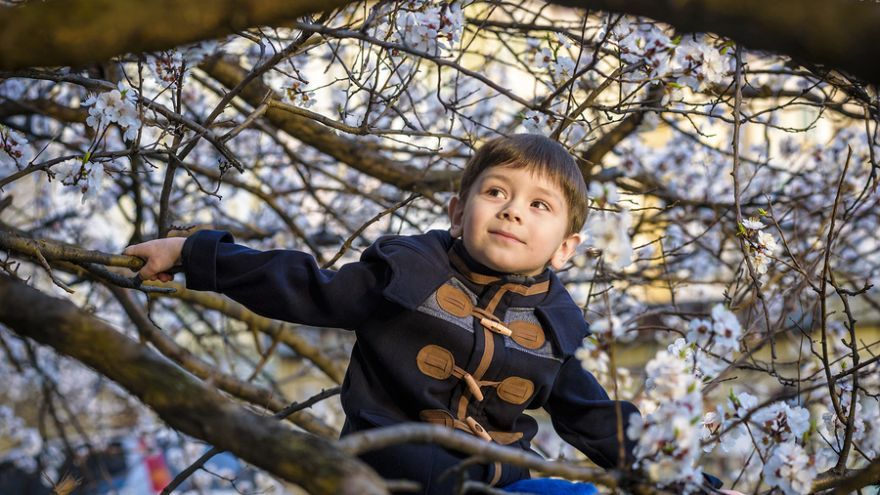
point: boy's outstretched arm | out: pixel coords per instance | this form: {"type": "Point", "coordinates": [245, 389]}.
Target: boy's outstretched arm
{"type": "Point", "coordinates": [284, 284]}
{"type": "Point", "coordinates": [160, 255]}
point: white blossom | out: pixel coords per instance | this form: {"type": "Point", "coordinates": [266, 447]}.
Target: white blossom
{"type": "Point", "coordinates": [609, 232]}
{"type": "Point", "coordinates": [563, 67]}
{"type": "Point", "coordinates": [790, 469]}
{"type": "Point", "coordinates": [299, 96]}
{"type": "Point", "coordinates": [752, 224]}
{"type": "Point", "coordinates": [700, 332]}
{"type": "Point", "coordinates": [668, 439]}
{"type": "Point", "coordinates": [699, 64]}
{"type": "Point", "coordinates": [603, 193]}
{"type": "Point", "coordinates": [535, 122]}
{"type": "Point", "coordinates": [15, 153]}
{"type": "Point", "coordinates": [429, 27]}
{"type": "Point", "coordinates": [115, 106]}
{"type": "Point", "coordinates": [94, 180]}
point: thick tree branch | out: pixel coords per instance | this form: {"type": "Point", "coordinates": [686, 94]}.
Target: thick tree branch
{"type": "Point", "coordinates": [181, 401]}
{"type": "Point", "coordinates": [78, 32]}
{"type": "Point", "coordinates": [839, 33]}
{"type": "Point", "coordinates": [255, 394]}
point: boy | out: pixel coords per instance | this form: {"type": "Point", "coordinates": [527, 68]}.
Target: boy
{"type": "Point", "coordinates": [465, 328]}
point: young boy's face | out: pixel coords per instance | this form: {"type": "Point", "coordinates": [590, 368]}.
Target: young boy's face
{"type": "Point", "coordinates": [514, 221]}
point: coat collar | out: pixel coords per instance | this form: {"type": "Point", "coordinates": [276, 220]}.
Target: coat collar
{"type": "Point", "coordinates": [420, 264]}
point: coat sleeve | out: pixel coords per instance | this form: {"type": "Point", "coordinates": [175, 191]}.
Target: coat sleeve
{"type": "Point", "coordinates": [584, 416]}
{"type": "Point", "coordinates": [283, 284]}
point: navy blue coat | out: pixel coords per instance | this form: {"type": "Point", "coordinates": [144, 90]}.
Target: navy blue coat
{"type": "Point", "coordinates": [440, 338]}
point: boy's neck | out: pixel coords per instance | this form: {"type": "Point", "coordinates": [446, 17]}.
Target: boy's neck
{"type": "Point", "coordinates": [479, 268]}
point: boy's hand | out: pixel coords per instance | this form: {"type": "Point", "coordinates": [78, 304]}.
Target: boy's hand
{"type": "Point", "coordinates": [159, 255]}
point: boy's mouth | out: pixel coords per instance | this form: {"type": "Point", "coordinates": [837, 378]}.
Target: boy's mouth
{"type": "Point", "coordinates": [506, 235]}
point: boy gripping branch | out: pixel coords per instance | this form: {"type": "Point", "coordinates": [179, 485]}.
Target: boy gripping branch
{"type": "Point", "coordinates": [465, 328]}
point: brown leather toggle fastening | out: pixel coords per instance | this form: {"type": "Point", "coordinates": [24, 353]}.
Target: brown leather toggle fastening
{"type": "Point", "coordinates": [454, 301]}
{"type": "Point", "coordinates": [435, 362]}
{"type": "Point", "coordinates": [527, 334]}
{"type": "Point", "coordinates": [439, 363]}
{"type": "Point", "coordinates": [438, 417]}
{"type": "Point", "coordinates": [444, 418]}
{"type": "Point", "coordinates": [473, 387]}
{"type": "Point", "coordinates": [491, 322]}
{"type": "Point", "coordinates": [477, 429]}
{"type": "Point", "coordinates": [496, 327]}
{"type": "Point", "coordinates": [515, 390]}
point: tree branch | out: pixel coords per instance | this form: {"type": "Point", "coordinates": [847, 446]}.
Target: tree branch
{"type": "Point", "coordinates": [359, 154]}
{"type": "Point", "coordinates": [839, 33]}
{"type": "Point", "coordinates": [79, 32]}
{"type": "Point", "coordinates": [184, 403]}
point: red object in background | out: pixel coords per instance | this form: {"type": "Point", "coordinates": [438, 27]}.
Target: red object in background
{"type": "Point", "coordinates": [160, 475]}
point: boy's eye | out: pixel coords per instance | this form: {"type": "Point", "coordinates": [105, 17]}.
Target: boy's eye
{"type": "Point", "coordinates": [540, 205]}
{"type": "Point", "coordinates": [495, 192]}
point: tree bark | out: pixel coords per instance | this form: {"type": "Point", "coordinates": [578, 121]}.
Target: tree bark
{"type": "Point", "coordinates": [839, 33]}
{"type": "Point", "coordinates": [79, 32]}
{"type": "Point", "coordinates": [843, 34]}
{"type": "Point", "coordinates": [183, 402]}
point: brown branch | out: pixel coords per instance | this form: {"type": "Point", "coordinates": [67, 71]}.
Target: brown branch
{"type": "Point", "coordinates": [378, 438]}
{"type": "Point", "coordinates": [78, 32]}
{"type": "Point", "coordinates": [60, 32]}
{"type": "Point", "coordinates": [361, 155]}
{"type": "Point", "coordinates": [287, 411]}
{"type": "Point", "coordinates": [248, 391]}
{"type": "Point", "coordinates": [56, 250]}
{"type": "Point", "coordinates": [184, 403]}
{"type": "Point", "coordinates": [284, 332]}
{"type": "Point", "coordinates": [842, 33]}
{"type": "Point", "coordinates": [44, 107]}
{"type": "Point", "coordinates": [621, 131]}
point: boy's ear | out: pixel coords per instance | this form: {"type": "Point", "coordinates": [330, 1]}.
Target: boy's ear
{"type": "Point", "coordinates": [565, 251]}
{"type": "Point", "coordinates": [455, 209]}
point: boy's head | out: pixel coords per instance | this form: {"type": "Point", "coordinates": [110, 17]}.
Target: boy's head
{"type": "Point", "coordinates": [521, 204]}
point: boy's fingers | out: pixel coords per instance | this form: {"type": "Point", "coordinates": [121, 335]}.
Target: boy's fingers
{"type": "Point", "coordinates": [132, 251]}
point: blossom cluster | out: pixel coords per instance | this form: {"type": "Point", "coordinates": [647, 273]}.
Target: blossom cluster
{"type": "Point", "coordinates": [761, 244]}
{"type": "Point", "coordinates": [85, 174]}
{"type": "Point", "coordinates": [668, 440]}
{"type": "Point", "coordinates": [14, 150]}
{"type": "Point", "coordinates": [777, 431]}
{"type": "Point", "coordinates": [299, 96]}
{"type": "Point", "coordinates": [428, 27]}
{"type": "Point", "coordinates": [558, 64]}
{"type": "Point", "coordinates": [168, 66]}
{"type": "Point", "coordinates": [693, 60]}
{"type": "Point", "coordinates": [701, 63]}
{"type": "Point", "coordinates": [115, 106]}
{"type": "Point", "coordinates": [719, 336]}
{"type": "Point", "coordinates": [608, 230]}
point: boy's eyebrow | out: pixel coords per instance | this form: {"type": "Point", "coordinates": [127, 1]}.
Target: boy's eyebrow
{"type": "Point", "coordinates": [552, 193]}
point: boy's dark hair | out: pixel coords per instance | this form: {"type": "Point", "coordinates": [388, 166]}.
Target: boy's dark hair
{"type": "Point", "coordinates": [541, 154]}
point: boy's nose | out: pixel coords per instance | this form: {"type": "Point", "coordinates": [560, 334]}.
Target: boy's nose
{"type": "Point", "coordinates": [511, 213]}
